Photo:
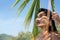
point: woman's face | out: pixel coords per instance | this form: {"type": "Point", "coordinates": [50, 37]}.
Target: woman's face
{"type": "Point", "coordinates": [42, 20]}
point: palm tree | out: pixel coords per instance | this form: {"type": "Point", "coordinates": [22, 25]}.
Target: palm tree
{"type": "Point", "coordinates": [34, 7]}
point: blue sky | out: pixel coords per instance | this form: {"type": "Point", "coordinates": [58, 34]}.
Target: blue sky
{"type": "Point", "coordinates": [8, 22]}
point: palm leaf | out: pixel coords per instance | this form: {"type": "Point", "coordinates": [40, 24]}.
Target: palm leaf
{"type": "Point", "coordinates": [38, 4]}
{"type": "Point", "coordinates": [22, 6]}
{"type": "Point", "coordinates": [30, 14]}
{"type": "Point", "coordinates": [16, 2]}
{"type": "Point", "coordinates": [34, 6]}
{"type": "Point", "coordinates": [52, 4]}
{"type": "Point", "coordinates": [35, 28]}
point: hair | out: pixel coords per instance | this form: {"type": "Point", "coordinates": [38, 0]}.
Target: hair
{"type": "Point", "coordinates": [53, 27]}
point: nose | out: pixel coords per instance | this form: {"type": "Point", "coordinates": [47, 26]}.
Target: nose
{"type": "Point", "coordinates": [37, 19]}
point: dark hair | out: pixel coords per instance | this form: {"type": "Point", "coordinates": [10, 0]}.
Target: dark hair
{"type": "Point", "coordinates": [42, 9]}
{"type": "Point", "coordinates": [53, 27]}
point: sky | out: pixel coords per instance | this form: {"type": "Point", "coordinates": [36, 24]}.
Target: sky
{"type": "Point", "coordinates": [8, 22]}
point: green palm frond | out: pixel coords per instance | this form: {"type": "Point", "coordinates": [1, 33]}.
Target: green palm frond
{"type": "Point", "coordinates": [30, 14]}
{"type": "Point", "coordinates": [38, 4]}
{"type": "Point", "coordinates": [52, 4]}
{"type": "Point", "coordinates": [35, 28]}
{"type": "Point", "coordinates": [22, 6]}
{"type": "Point", "coordinates": [33, 10]}
{"type": "Point", "coordinates": [16, 2]}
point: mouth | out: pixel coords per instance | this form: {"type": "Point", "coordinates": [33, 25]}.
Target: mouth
{"type": "Point", "coordinates": [40, 23]}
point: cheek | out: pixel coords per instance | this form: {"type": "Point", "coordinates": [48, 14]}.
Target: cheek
{"type": "Point", "coordinates": [44, 21]}
{"type": "Point", "coordinates": [47, 22]}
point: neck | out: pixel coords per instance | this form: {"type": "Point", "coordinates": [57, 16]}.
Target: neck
{"type": "Point", "coordinates": [44, 30]}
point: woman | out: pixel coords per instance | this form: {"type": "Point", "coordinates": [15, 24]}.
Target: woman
{"type": "Point", "coordinates": [47, 25]}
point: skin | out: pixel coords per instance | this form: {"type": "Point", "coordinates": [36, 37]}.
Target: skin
{"type": "Point", "coordinates": [41, 18]}
{"type": "Point", "coordinates": [56, 17]}
{"type": "Point", "coordinates": [43, 22]}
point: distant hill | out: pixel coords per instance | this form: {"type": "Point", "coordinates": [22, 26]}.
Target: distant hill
{"type": "Point", "coordinates": [6, 37]}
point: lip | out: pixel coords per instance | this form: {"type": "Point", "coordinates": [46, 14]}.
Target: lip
{"type": "Point", "coordinates": [37, 22]}
{"type": "Point", "coordinates": [40, 25]}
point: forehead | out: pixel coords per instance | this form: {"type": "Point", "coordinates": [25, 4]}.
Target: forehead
{"type": "Point", "coordinates": [41, 13]}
